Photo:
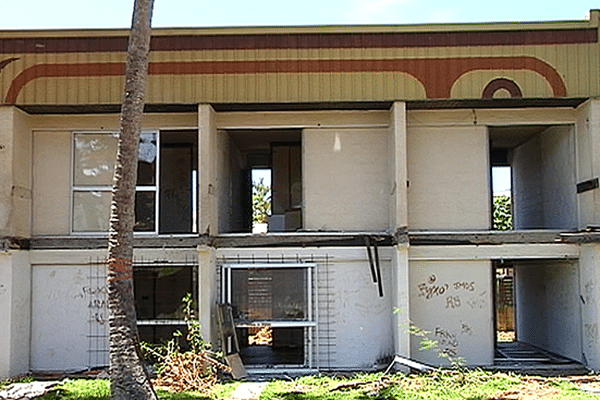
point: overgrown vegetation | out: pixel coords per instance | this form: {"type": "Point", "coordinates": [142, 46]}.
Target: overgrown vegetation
{"type": "Point", "coordinates": [193, 368]}
{"type": "Point", "coordinates": [261, 202]}
{"type": "Point", "coordinates": [502, 218]}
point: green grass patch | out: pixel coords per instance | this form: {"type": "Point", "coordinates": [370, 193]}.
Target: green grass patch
{"type": "Point", "coordinates": [99, 389]}
{"type": "Point", "coordinates": [447, 385]}
{"type": "Point", "coordinates": [454, 385]}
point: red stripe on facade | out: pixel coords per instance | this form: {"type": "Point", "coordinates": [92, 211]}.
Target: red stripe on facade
{"type": "Point", "coordinates": [437, 75]}
{"type": "Point", "coordinates": [304, 41]}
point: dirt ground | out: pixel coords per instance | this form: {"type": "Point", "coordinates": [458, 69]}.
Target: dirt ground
{"type": "Point", "coordinates": [534, 388]}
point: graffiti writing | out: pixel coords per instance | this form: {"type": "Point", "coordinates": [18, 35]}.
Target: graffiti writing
{"type": "Point", "coordinates": [468, 286]}
{"type": "Point", "coordinates": [478, 302]}
{"type": "Point", "coordinates": [430, 289]}
{"type": "Point", "coordinates": [447, 341]}
{"type": "Point", "coordinates": [466, 329]}
{"type": "Point", "coordinates": [452, 302]}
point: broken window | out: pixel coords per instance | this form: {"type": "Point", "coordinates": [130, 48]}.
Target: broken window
{"type": "Point", "coordinates": [166, 194]}
{"type": "Point", "coordinates": [273, 312]}
{"type": "Point", "coordinates": [159, 291]}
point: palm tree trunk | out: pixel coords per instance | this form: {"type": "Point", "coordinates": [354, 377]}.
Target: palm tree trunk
{"type": "Point", "coordinates": [129, 379]}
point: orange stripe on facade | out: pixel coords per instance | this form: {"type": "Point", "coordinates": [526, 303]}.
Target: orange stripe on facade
{"type": "Point", "coordinates": [437, 75]}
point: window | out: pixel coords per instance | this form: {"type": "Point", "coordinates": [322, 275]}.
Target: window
{"type": "Point", "coordinates": [159, 291]}
{"type": "Point", "coordinates": [167, 157]}
{"type": "Point", "coordinates": [273, 313]}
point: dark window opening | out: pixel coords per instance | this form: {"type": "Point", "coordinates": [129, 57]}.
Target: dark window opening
{"type": "Point", "coordinates": [272, 313]}
{"type": "Point", "coordinates": [158, 299]}
{"type": "Point", "coordinates": [274, 346]}
{"type": "Point", "coordinates": [178, 182]}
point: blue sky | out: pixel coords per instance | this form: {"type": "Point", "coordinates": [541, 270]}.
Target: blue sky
{"type": "Point", "coordinates": [42, 14]}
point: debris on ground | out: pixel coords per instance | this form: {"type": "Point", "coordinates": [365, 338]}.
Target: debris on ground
{"type": "Point", "coordinates": [28, 391]}
{"type": "Point", "coordinates": [248, 391]}
{"type": "Point", "coordinates": [188, 371]}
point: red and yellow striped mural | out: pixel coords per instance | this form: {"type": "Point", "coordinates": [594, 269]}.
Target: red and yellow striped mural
{"type": "Point", "coordinates": [308, 64]}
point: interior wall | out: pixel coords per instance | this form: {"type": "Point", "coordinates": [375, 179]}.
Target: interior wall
{"type": "Point", "coordinates": [451, 302]}
{"type": "Point", "coordinates": [448, 178]}
{"type": "Point", "coordinates": [346, 179]}
{"type": "Point", "coordinates": [589, 276]}
{"type": "Point", "coordinates": [224, 173]}
{"type": "Point", "coordinates": [588, 162]}
{"type": "Point", "coordinates": [547, 301]}
{"type": "Point", "coordinates": [544, 181]}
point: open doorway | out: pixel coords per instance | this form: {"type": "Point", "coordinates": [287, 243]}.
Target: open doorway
{"type": "Point", "coordinates": [261, 199]}
{"type": "Point", "coordinates": [504, 275]}
{"type": "Point", "coordinates": [540, 162]}
{"type": "Point", "coordinates": [262, 181]}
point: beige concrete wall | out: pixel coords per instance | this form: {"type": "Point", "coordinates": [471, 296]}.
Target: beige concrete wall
{"type": "Point", "coordinates": [401, 300]}
{"type": "Point", "coordinates": [52, 166]}
{"type": "Point", "coordinates": [589, 288]}
{"type": "Point", "coordinates": [52, 162]}
{"type": "Point", "coordinates": [588, 162]}
{"type": "Point", "coordinates": [346, 179]}
{"type": "Point", "coordinates": [68, 304]}
{"type": "Point", "coordinates": [208, 293]}
{"type": "Point", "coordinates": [208, 191]}
{"type": "Point", "coordinates": [448, 174]}
{"type": "Point", "coordinates": [6, 168]}
{"type": "Point", "coordinates": [15, 316]}
{"type": "Point", "coordinates": [356, 329]}
{"type": "Point", "coordinates": [15, 175]}
{"type": "Point", "coordinates": [452, 302]}
{"type": "Point", "coordinates": [398, 167]}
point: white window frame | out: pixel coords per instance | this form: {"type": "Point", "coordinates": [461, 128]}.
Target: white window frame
{"type": "Point", "coordinates": [310, 324]}
{"type": "Point", "coordinates": [108, 188]}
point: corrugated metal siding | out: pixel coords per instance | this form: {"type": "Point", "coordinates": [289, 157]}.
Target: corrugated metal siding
{"type": "Point", "coordinates": [562, 59]}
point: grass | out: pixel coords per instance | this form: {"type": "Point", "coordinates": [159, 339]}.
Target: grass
{"type": "Point", "coordinates": [99, 389]}
{"type": "Point", "coordinates": [448, 385]}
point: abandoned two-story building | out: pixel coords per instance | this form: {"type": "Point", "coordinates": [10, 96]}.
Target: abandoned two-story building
{"type": "Point", "coordinates": [380, 142]}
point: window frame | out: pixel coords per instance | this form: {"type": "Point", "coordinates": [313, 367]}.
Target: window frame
{"type": "Point", "coordinates": [108, 188]}
{"type": "Point", "coordinates": [309, 324]}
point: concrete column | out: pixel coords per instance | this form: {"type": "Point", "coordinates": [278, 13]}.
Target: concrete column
{"type": "Point", "coordinates": [399, 208]}
{"type": "Point", "coordinates": [15, 173]}
{"type": "Point", "coordinates": [400, 301]}
{"type": "Point", "coordinates": [588, 161]}
{"type": "Point", "coordinates": [207, 170]}
{"type": "Point", "coordinates": [15, 314]}
{"type": "Point", "coordinates": [589, 278]}
{"type": "Point", "coordinates": [207, 292]}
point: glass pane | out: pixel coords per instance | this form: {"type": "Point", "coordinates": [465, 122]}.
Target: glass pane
{"type": "Point", "coordinates": [147, 151]}
{"type": "Point", "coordinates": [159, 290]}
{"type": "Point", "coordinates": [94, 159]}
{"type": "Point", "coordinates": [269, 294]}
{"type": "Point", "coordinates": [91, 211]}
{"type": "Point", "coordinates": [145, 211]}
